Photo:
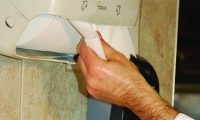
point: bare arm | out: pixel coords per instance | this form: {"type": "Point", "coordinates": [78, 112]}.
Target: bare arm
{"type": "Point", "coordinates": [118, 81]}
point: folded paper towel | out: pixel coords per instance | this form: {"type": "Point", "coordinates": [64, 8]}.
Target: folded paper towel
{"type": "Point", "coordinates": [56, 34]}
{"type": "Point", "coordinates": [90, 36]}
{"type": "Point", "coordinates": [49, 33]}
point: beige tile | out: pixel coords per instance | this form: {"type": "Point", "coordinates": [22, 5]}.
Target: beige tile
{"type": "Point", "coordinates": [52, 93]}
{"type": "Point", "coordinates": [157, 40]}
{"type": "Point", "coordinates": [10, 80]}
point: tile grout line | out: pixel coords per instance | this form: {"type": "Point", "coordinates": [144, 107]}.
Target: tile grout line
{"type": "Point", "coordinates": [21, 89]}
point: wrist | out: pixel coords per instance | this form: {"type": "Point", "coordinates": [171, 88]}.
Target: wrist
{"type": "Point", "coordinates": [146, 103]}
{"type": "Point", "coordinates": [159, 110]}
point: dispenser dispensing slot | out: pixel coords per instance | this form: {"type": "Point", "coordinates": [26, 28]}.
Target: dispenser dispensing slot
{"type": "Point", "coordinates": [46, 55]}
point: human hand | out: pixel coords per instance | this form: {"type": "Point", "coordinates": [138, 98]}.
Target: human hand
{"type": "Point", "coordinates": [110, 80]}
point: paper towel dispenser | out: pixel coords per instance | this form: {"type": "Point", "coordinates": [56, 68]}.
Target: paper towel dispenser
{"type": "Point", "coordinates": [48, 17]}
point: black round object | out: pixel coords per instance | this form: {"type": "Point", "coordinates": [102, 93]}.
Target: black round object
{"type": "Point", "coordinates": [147, 70]}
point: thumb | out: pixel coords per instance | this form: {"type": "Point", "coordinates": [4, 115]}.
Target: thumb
{"type": "Point", "coordinates": [109, 51]}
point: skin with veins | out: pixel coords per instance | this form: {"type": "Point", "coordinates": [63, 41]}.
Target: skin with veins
{"type": "Point", "coordinates": [117, 80]}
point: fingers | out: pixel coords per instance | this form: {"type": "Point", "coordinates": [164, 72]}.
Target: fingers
{"type": "Point", "coordinates": [90, 57]}
{"type": "Point", "coordinates": [87, 54]}
{"type": "Point", "coordinates": [88, 60]}
{"type": "Point", "coordinates": [83, 66]}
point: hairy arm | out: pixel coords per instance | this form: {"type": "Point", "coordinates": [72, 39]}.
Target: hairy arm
{"type": "Point", "coordinates": [118, 81]}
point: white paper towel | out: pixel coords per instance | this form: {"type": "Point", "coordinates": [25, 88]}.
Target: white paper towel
{"type": "Point", "coordinates": [90, 36]}
{"type": "Point", "coordinates": [56, 34]}
{"type": "Point", "coordinates": [50, 33]}
{"type": "Point", "coordinates": [118, 37]}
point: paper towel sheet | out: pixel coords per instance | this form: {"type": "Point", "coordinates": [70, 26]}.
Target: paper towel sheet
{"type": "Point", "coordinates": [56, 34]}
{"type": "Point", "coordinates": [50, 33]}
{"type": "Point", "coordinates": [118, 37]}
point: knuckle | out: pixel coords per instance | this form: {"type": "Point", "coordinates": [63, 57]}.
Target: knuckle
{"type": "Point", "coordinates": [91, 92]}
{"type": "Point", "coordinates": [93, 69]}
{"type": "Point", "coordinates": [91, 84]}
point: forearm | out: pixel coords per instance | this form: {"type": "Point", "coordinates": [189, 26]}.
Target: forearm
{"type": "Point", "coordinates": [148, 105]}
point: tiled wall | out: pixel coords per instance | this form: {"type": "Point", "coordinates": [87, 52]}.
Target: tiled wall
{"type": "Point", "coordinates": [157, 40]}
{"type": "Point", "coordinates": [10, 86]}
{"type": "Point", "coordinates": [40, 90]}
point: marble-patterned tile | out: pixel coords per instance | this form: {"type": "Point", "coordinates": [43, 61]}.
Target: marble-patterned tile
{"type": "Point", "coordinates": [158, 40]}
{"type": "Point", "coordinates": [50, 92]}
{"type": "Point", "coordinates": [10, 80]}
